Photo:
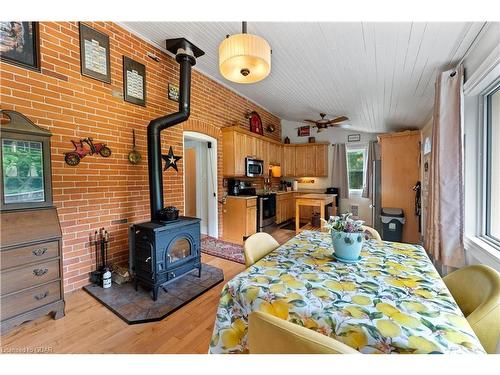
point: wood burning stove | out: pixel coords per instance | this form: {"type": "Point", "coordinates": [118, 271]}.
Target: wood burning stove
{"type": "Point", "coordinates": [160, 250]}
{"type": "Point", "coordinates": [163, 251]}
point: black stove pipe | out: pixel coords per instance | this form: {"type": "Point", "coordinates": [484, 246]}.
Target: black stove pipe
{"type": "Point", "coordinates": [185, 54]}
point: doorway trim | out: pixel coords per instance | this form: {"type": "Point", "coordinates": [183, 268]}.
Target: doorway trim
{"type": "Point", "coordinates": [213, 214]}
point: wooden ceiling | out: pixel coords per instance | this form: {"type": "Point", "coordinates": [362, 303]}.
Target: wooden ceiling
{"type": "Point", "coordinates": [379, 74]}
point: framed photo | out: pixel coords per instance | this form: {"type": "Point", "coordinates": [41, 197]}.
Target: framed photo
{"type": "Point", "coordinates": [354, 138]}
{"type": "Point", "coordinates": [19, 44]}
{"type": "Point", "coordinates": [134, 81]}
{"type": "Point", "coordinates": [94, 54]}
{"type": "Point", "coordinates": [304, 131]}
{"type": "Point", "coordinates": [173, 92]}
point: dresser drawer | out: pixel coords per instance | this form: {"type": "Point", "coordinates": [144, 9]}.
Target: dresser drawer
{"type": "Point", "coordinates": [20, 278]}
{"type": "Point", "coordinates": [30, 299]}
{"type": "Point", "coordinates": [29, 254]}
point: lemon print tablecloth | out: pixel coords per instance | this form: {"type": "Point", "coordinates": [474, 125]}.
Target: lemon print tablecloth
{"type": "Point", "coordinates": [391, 301]}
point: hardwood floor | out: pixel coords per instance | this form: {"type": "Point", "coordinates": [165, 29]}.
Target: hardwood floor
{"type": "Point", "coordinates": [89, 327]}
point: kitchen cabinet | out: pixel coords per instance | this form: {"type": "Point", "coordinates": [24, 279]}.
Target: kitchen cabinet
{"type": "Point", "coordinates": [285, 205]}
{"type": "Point", "coordinates": [320, 160]}
{"type": "Point", "coordinates": [301, 165]}
{"type": "Point", "coordinates": [239, 215]}
{"type": "Point", "coordinates": [288, 165]}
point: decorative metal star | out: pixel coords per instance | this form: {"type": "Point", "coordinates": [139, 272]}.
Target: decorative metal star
{"type": "Point", "coordinates": [171, 160]}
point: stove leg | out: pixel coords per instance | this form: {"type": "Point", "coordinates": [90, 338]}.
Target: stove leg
{"type": "Point", "coordinates": [199, 271]}
{"type": "Point", "coordinates": [136, 285]}
{"type": "Point", "coordinates": [155, 293]}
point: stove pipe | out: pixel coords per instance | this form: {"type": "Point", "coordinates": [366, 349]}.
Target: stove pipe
{"type": "Point", "coordinates": [185, 54]}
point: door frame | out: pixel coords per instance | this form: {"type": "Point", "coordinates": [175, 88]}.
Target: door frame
{"type": "Point", "coordinates": [212, 206]}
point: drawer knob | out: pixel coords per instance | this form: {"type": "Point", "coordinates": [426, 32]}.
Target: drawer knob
{"type": "Point", "coordinates": [40, 296]}
{"type": "Point", "coordinates": [40, 272]}
{"type": "Point", "coordinates": [39, 252]}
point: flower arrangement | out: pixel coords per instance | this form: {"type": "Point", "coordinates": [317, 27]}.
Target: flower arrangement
{"type": "Point", "coordinates": [347, 237]}
{"type": "Point", "coordinates": [343, 223]}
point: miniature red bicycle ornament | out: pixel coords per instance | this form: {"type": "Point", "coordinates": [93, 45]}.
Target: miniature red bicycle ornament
{"type": "Point", "coordinates": [83, 148]}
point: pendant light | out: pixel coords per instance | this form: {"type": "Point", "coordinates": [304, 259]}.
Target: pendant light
{"type": "Point", "coordinates": [244, 58]}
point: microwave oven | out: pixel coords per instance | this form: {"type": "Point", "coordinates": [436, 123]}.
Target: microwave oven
{"type": "Point", "coordinates": [254, 167]}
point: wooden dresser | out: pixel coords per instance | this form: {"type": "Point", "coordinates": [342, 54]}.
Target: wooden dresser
{"type": "Point", "coordinates": [31, 266]}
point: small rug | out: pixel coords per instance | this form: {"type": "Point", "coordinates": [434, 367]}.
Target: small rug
{"type": "Point", "coordinates": [138, 307]}
{"type": "Point", "coordinates": [222, 249]}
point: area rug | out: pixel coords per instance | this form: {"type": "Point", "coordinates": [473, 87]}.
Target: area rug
{"type": "Point", "coordinates": [222, 249]}
{"type": "Point", "coordinates": [138, 307]}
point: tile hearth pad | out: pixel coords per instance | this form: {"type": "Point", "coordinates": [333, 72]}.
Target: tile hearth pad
{"type": "Point", "coordinates": [138, 307]}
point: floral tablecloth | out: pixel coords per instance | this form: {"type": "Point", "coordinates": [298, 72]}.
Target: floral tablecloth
{"type": "Point", "coordinates": [392, 301]}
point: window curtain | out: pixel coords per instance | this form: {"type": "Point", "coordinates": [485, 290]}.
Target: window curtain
{"type": "Point", "coordinates": [339, 170]}
{"type": "Point", "coordinates": [444, 227]}
{"type": "Point", "coordinates": [368, 184]}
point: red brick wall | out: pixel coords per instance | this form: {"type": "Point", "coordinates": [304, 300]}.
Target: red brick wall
{"type": "Point", "coordinates": [100, 191]}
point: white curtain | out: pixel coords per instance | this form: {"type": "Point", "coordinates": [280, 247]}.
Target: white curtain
{"type": "Point", "coordinates": [339, 170]}
{"type": "Point", "coordinates": [368, 184]}
{"type": "Point", "coordinates": [444, 228]}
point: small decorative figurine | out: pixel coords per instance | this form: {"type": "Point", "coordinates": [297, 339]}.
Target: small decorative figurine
{"type": "Point", "coordinates": [83, 148]}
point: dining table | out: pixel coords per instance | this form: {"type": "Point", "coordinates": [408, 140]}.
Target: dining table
{"type": "Point", "coordinates": [391, 301]}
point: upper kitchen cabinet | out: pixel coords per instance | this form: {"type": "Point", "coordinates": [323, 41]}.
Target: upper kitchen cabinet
{"type": "Point", "coordinates": [305, 160]}
{"type": "Point", "coordinates": [238, 143]}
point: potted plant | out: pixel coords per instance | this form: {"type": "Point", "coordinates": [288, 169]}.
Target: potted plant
{"type": "Point", "coordinates": [347, 237]}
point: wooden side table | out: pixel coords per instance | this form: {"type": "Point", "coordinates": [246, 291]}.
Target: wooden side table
{"type": "Point", "coordinates": [315, 200]}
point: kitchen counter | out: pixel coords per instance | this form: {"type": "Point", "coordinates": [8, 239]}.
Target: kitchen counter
{"type": "Point", "coordinates": [241, 197]}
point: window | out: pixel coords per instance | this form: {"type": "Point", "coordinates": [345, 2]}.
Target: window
{"type": "Point", "coordinates": [492, 228]}
{"type": "Point", "coordinates": [356, 169]}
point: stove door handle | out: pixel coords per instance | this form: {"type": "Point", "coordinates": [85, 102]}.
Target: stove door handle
{"type": "Point", "coordinates": [148, 259]}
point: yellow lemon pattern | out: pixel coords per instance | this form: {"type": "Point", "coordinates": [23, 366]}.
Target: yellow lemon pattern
{"type": "Point", "coordinates": [391, 301]}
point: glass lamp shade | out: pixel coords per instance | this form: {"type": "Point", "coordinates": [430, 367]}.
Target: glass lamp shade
{"type": "Point", "coordinates": [244, 58]}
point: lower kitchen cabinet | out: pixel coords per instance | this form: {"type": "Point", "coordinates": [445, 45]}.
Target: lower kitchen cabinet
{"type": "Point", "coordinates": [239, 215]}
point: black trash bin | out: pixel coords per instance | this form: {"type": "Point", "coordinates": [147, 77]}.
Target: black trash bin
{"type": "Point", "coordinates": [393, 220]}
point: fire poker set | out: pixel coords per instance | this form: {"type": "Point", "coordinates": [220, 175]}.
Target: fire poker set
{"type": "Point", "coordinates": [102, 274]}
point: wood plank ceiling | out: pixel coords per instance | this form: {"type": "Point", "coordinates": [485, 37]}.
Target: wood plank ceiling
{"type": "Point", "coordinates": [381, 75]}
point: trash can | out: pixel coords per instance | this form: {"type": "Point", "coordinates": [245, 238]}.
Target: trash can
{"type": "Point", "coordinates": [392, 224]}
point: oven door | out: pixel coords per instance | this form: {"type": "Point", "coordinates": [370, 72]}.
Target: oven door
{"type": "Point", "coordinates": [254, 168]}
{"type": "Point", "coordinates": [266, 213]}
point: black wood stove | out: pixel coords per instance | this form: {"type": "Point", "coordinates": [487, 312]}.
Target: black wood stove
{"type": "Point", "coordinates": [161, 249]}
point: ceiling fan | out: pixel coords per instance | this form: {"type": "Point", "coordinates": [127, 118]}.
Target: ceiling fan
{"type": "Point", "coordinates": [324, 123]}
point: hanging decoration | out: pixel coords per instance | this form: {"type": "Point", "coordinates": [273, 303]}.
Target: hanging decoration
{"type": "Point", "coordinates": [85, 147]}
{"type": "Point", "coordinates": [171, 160]}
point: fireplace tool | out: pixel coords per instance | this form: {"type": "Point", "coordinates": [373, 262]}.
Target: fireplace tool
{"type": "Point", "coordinates": [102, 274]}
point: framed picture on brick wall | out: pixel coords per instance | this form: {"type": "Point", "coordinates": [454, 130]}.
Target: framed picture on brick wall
{"type": "Point", "coordinates": [134, 81]}
{"type": "Point", "coordinates": [94, 54]}
{"type": "Point", "coordinates": [19, 44]}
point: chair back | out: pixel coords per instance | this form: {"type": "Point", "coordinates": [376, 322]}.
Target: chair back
{"type": "Point", "coordinates": [257, 246]}
{"type": "Point", "coordinates": [268, 334]}
{"type": "Point", "coordinates": [372, 233]}
{"type": "Point", "coordinates": [476, 289]}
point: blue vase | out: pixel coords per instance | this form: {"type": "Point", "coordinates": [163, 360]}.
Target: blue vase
{"type": "Point", "coordinates": [347, 246]}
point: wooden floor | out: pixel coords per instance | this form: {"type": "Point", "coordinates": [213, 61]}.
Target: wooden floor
{"type": "Point", "coordinates": [89, 327]}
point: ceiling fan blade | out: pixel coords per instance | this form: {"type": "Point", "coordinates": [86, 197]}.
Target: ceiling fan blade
{"type": "Point", "coordinates": [311, 121]}
{"type": "Point", "coordinates": [338, 119]}
{"type": "Point", "coordinates": [340, 125]}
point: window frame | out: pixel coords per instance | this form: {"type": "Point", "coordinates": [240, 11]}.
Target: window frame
{"type": "Point", "coordinates": [357, 193]}
{"type": "Point", "coordinates": [486, 167]}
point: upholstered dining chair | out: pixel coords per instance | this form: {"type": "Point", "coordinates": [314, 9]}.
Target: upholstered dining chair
{"type": "Point", "coordinates": [257, 246]}
{"type": "Point", "coordinates": [268, 334]}
{"type": "Point", "coordinates": [476, 290]}
{"type": "Point", "coordinates": [372, 233]}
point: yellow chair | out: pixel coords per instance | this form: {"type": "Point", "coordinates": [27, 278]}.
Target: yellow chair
{"type": "Point", "coordinates": [257, 246]}
{"type": "Point", "coordinates": [268, 334]}
{"type": "Point", "coordinates": [372, 233]}
{"type": "Point", "coordinates": [476, 290]}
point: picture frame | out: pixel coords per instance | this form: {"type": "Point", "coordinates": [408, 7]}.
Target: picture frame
{"type": "Point", "coordinates": [134, 81]}
{"type": "Point", "coordinates": [304, 131]}
{"type": "Point", "coordinates": [20, 44]}
{"type": "Point", "coordinates": [354, 138]}
{"type": "Point", "coordinates": [173, 92]}
{"type": "Point", "coordinates": [95, 59]}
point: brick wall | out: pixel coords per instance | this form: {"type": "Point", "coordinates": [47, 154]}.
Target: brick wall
{"type": "Point", "coordinates": [101, 191]}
